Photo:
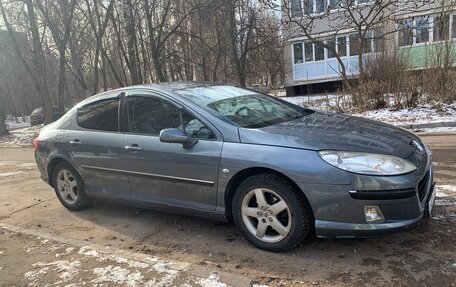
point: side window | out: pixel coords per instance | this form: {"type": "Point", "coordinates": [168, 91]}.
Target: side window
{"type": "Point", "coordinates": [101, 115]}
{"type": "Point", "coordinates": [149, 115]}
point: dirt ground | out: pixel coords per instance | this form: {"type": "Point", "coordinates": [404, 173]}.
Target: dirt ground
{"type": "Point", "coordinates": [422, 256]}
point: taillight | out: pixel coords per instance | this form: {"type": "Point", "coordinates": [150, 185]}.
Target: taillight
{"type": "Point", "coordinates": [35, 143]}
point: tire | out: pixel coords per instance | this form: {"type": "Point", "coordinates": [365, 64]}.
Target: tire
{"type": "Point", "coordinates": [69, 187]}
{"type": "Point", "coordinates": [280, 203]}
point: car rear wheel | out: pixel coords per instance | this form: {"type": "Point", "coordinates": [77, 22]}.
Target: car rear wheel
{"type": "Point", "coordinates": [271, 214]}
{"type": "Point", "coordinates": [69, 187]}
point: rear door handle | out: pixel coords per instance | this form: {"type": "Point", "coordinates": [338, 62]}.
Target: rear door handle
{"type": "Point", "coordinates": [75, 142]}
{"type": "Point", "coordinates": [133, 147]}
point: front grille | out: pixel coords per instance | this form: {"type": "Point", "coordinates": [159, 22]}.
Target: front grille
{"type": "Point", "coordinates": [383, 194]}
{"type": "Point", "coordinates": [422, 186]}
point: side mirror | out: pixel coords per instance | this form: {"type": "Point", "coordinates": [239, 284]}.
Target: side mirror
{"type": "Point", "coordinates": [177, 136]}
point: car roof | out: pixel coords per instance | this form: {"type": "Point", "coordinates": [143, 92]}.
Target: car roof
{"type": "Point", "coordinates": [173, 86]}
{"type": "Point", "coordinates": [164, 86]}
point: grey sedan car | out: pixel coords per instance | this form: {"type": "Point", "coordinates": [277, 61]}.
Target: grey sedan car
{"type": "Point", "coordinates": [281, 172]}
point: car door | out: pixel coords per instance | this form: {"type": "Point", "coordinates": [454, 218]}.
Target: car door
{"type": "Point", "coordinates": [97, 147]}
{"type": "Point", "coordinates": [169, 173]}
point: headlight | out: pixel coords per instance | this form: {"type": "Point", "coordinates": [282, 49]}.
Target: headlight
{"type": "Point", "coordinates": [367, 163]}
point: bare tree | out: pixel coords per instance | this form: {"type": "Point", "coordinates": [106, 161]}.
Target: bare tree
{"type": "Point", "coordinates": [58, 16]}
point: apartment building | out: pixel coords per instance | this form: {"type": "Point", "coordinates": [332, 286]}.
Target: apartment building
{"type": "Point", "coordinates": [414, 29]}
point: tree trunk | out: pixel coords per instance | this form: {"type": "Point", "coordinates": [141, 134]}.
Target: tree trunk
{"type": "Point", "coordinates": [131, 42]}
{"type": "Point", "coordinates": [3, 129]}
{"type": "Point", "coordinates": [61, 89]}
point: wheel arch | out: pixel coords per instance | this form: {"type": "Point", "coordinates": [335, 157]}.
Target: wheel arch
{"type": "Point", "coordinates": [242, 175]}
{"type": "Point", "coordinates": [51, 167]}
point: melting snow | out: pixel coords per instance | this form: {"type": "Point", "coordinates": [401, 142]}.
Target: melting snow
{"type": "Point", "coordinates": [20, 137]}
{"type": "Point", "coordinates": [212, 281]}
{"type": "Point", "coordinates": [117, 275]}
{"type": "Point", "coordinates": [427, 113]}
{"type": "Point", "coordinates": [446, 187]}
{"type": "Point", "coordinates": [10, 173]}
{"type": "Point", "coordinates": [445, 202]}
{"type": "Point", "coordinates": [66, 270]}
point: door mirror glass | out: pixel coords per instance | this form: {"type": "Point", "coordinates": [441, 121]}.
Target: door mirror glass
{"type": "Point", "coordinates": [174, 135]}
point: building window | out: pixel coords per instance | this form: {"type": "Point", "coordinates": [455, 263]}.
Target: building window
{"type": "Point", "coordinates": [342, 46]}
{"type": "Point", "coordinates": [354, 44]}
{"type": "Point", "coordinates": [308, 7]}
{"type": "Point", "coordinates": [331, 52]}
{"type": "Point", "coordinates": [339, 4]}
{"type": "Point", "coordinates": [298, 53]}
{"type": "Point", "coordinates": [308, 49]}
{"type": "Point", "coordinates": [422, 30]}
{"type": "Point", "coordinates": [320, 6]}
{"type": "Point", "coordinates": [319, 53]}
{"type": "Point", "coordinates": [406, 33]}
{"type": "Point", "coordinates": [441, 28]}
{"type": "Point", "coordinates": [379, 40]}
{"type": "Point", "coordinates": [368, 39]}
{"type": "Point", "coordinates": [296, 8]}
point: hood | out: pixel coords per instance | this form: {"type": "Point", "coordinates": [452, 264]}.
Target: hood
{"type": "Point", "coordinates": [329, 131]}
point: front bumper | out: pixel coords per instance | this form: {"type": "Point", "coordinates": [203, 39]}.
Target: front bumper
{"type": "Point", "coordinates": [338, 214]}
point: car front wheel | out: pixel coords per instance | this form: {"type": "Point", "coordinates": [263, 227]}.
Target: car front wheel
{"type": "Point", "coordinates": [271, 214]}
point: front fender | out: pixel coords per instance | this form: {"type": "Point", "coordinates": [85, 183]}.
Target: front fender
{"type": "Point", "coordinates": [301, 166]}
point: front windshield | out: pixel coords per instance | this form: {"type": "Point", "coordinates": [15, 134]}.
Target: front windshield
{"type": "Point", "coordinates": [243, 107]}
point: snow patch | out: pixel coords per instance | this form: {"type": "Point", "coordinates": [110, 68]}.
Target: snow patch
{"type": "Point", "coordinates": [88, 251]}
{"type": "Point", "coordinates": [166, 280]}
{"type": "Point", "coordinates": [420, 115]}
{"type": "Point", "coordinates": [118, 275]}
{"type": "Point", "coordinates": [66, 270]}
{"type": "Point", "coordinates": [445, 202]}
{"type": "Point", "coordinates": [447, 187]}
{"type": "Point", "coordinates": [17, 122]}
{"type": "Point", "coordinates": [444, 215]}
{"type": "Point", "coordinates": [444, 164]}
{"type": "Point", "coordinates": [437, 130]}
{"type": "Point", "coordinates": [445, 194]}
{"type": "Point", "coordinates": [20, 137]}
{"type": "Point", "coordinates": [10, 173]}
{"type": "Point", "coordinates": [423, 114]}
{"type": "Point", "coordinates": [211, 281]}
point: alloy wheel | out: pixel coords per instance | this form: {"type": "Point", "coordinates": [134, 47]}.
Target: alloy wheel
{"type": "Point", "coordinates": [266, 215]}
{"type": "Point", "coordinates": [67, 186]}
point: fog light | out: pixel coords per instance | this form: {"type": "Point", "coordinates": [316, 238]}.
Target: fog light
{"type": "Point", "coordinates": [373, 213]}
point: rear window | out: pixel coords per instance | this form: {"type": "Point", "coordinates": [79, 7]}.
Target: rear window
{"type": "Point", "coordinates": [101, 115]}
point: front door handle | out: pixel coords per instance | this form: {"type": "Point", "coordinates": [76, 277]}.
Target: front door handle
{"type": "Point", "coordinates": [133, 147]}
{"type": "Point", "coordinates": [75, 142]}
